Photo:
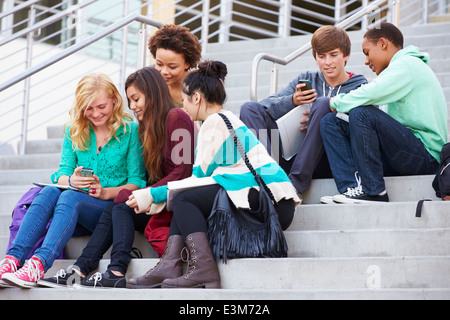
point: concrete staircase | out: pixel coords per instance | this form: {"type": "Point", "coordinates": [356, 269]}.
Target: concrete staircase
{"type": "Point", "coordinates": [373, 251]}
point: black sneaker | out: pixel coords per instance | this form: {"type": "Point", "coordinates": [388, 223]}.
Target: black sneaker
{"type": "Point", "coordinates": [353, 195]}
{"type": "Point", "coordinates": [104, 280]}
{"type": "Point", "coordinates": [61, 279]}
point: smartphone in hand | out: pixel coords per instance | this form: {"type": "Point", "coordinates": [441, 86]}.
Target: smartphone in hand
{"type": "Point", "coordinates": [86, 172]}
{"type": "Point", "coordinates": [308, 85]}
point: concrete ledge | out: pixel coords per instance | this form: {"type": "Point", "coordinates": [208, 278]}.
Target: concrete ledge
{"type": "Point", "coordinates": [157, 295]}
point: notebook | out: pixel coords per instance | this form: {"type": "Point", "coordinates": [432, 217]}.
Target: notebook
{"type": "Point", "coordinates": [289, 128]}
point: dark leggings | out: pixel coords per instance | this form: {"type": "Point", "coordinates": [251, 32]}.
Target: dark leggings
{"type": "Point", "coordinates": [116, 227]}
{"type": "Point", "coordinates": [192, 208]}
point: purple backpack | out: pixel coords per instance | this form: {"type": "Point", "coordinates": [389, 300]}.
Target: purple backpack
{"type": "Point", "coordinates": [18, 215]}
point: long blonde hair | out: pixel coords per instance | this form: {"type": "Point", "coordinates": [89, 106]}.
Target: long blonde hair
{"type": "Point", "coordinates": [87, 91]}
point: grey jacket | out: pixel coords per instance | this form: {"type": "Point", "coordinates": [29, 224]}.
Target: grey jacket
{"type": "Point", "coordinates": [279, 104]}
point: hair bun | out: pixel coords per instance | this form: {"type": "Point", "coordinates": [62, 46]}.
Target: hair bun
{"type": "Point", "coordinates": [213, 69]}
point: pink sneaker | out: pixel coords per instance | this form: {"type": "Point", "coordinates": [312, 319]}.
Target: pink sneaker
{"type": "Point", "coordinates": [28, 276]}
{"type": "Point", "coordinates": [8, 265]}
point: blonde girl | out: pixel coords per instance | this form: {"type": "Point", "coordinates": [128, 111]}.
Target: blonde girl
{"type": "Point", "coordinates": [99, 136]}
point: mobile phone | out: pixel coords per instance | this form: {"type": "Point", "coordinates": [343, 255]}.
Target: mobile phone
{"type": "Point", "coordinates": [308, 85]}
{"type": "Point", "coordinates": [86, 172]}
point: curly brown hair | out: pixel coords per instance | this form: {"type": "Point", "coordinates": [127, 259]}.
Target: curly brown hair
{"type": "Point", "coordinates": [178, 39]}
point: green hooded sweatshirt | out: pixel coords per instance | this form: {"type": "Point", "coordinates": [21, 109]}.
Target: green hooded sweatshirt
{"type": "Point", "coordinates": [413, 95]}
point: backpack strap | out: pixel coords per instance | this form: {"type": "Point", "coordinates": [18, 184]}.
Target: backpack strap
{"type": "Point", "coordinates": [420, 207]}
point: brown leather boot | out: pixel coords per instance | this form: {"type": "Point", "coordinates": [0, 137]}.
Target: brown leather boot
{"type": "Point", "coordinates": [170, 266]}
{"type": "Point", "coordinates": [202, 271]}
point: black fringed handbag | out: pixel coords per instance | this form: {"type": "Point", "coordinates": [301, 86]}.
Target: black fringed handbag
{"type": "Point", "coordinates": [245, 233]}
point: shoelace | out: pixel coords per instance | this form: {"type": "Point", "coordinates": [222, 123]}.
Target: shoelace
{"type": "Point", "coordinates": [8, 265]}
{"type": "Point", "coordinates": [96, 277]}
{"type": "Point", "coordinates": [60, 274]}
{"type": "Point", "coordinates": [190, 260]}
{"type": "Point", "coordinates": [355, 191]}
{"type": "Point", "coordinates": [31, 270]}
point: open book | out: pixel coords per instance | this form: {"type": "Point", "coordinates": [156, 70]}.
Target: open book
{"type": "Point", "coordinates": [175, 187]}
{"type": "Point", "coordinates": [61, 187]}
{"type": "Point", "coordinates": [289, 128]}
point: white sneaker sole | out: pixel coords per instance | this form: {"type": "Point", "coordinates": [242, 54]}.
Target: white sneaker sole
{"type": "Point", "coordinates": [3, 284]}
{"type": "Point", "coordinates": [11, 279]}
{"type": "Point", "coordinates": [327, 200]}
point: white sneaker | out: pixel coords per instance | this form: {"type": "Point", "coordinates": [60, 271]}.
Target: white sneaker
{"type": "Point", "coordinates": [327, 200]}
{"type": "Point", "coordinates": [349, 195]}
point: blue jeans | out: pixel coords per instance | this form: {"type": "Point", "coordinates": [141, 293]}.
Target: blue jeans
{"type": "Point", "coordinates": [375, 145]}
{"type": "Point", "coordinates": [66, 208]}
{"type": "Point", "coordinates": [311, 160]}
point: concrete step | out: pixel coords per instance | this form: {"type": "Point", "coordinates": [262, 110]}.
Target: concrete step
{"type": "Point", "coordinates": [357, 278]}
{"type": "Point", "coordinates": [247, 50]}
{"type": "Point", "coordinates": [371, 216]}
{"type": "Point", "coordinates": [24, 177]}
{"type": "Point", "coordinates": [55, 132]}
{"type": "Point", "coordinates": [44, 146]}
{"type": "Point", "coordinates": [400, 189]}
{"type": "Point", "coordinates": [369, 243]}
{"type": "Point", "coordinates": [157, 295]}
{"type": "Point", "coordinates": [395, 215]}
{"type": "Point", "coordinates": [30, 161]}
{"type": "Point", "coordinates": [329, 243]}
{"type": "Point", "coordinates": [314, 273]}
{"type": "Point", "coordinates": [9, 195]}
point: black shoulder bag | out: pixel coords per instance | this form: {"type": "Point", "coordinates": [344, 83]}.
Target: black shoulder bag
{"type": "Point", "coordinates": [245, 233]}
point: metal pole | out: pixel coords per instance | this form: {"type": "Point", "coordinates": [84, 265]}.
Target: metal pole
{"type": "Point", "coordinates": [396, 12]}
{"type": "Point", "coordinates": [205, 25]}
{"type": "Point", "coordinates": [226, 9]}
{"type": "Point", "coordinates": [284, 29]}
{"type": "Point", "coordinates": [142, 49]}
{"type": "Point", "coordinates": [123, 62]}
{"type": "Point", "coordinates": [337, 11]}
{"type": "Point", "coordinates": [27, 84]}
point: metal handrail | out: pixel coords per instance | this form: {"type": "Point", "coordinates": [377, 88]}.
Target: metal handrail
{"type": "Point", "coordinates": [81, 45]}
{"type": "Point", "coordinates": [305, 48]}
{"type": "Point", "coordinates": [18, 8]}
{"type": "Point", "coordinates": [69, 11]}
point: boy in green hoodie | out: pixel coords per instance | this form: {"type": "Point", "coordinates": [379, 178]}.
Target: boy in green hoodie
{"type": "Point", "coordinates": [405, 140]}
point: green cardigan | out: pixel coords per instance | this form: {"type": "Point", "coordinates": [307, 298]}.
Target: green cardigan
{"type": "Point", "coordinates": [120, 162]}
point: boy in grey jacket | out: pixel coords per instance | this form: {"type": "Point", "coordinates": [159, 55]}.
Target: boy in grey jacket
{"type": "Point", "coordinates": [331, 49]}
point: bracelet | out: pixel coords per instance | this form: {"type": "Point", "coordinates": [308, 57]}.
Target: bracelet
{"type": "Point", "coordinates": [69, 180]}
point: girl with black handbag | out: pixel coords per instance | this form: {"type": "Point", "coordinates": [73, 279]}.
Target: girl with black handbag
{"type": "Point", "coordinates": [218, 156]}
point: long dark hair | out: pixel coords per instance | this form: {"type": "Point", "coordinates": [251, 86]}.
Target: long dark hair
{"type": "Point", "coordinates": [152, 129]}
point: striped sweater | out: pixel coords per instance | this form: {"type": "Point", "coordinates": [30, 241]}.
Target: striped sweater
{"type": "Point", "coordinates": [217, 157]}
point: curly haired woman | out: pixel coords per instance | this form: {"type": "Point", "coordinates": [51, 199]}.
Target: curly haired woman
{"type": "Point", "coordinates": [176, 51]}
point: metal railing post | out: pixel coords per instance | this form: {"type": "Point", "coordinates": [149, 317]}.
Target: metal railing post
{"type": "Point", "coordinates": [284, 20]}
{"type": "Point", "coordinates": [395, 12]}
{"type": "Point", "coordinates": [226, 8]}
{"type": "Point", "coordinates": [274, 80]}
{"type": "Point", "coordinates": [123, 61]}
{"type": "Point", "coordinates": [205, 24]}
{"type": "Point", "coordinates": [27, 84]}
{"type": "Point", "coordinates": [142, 49]}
